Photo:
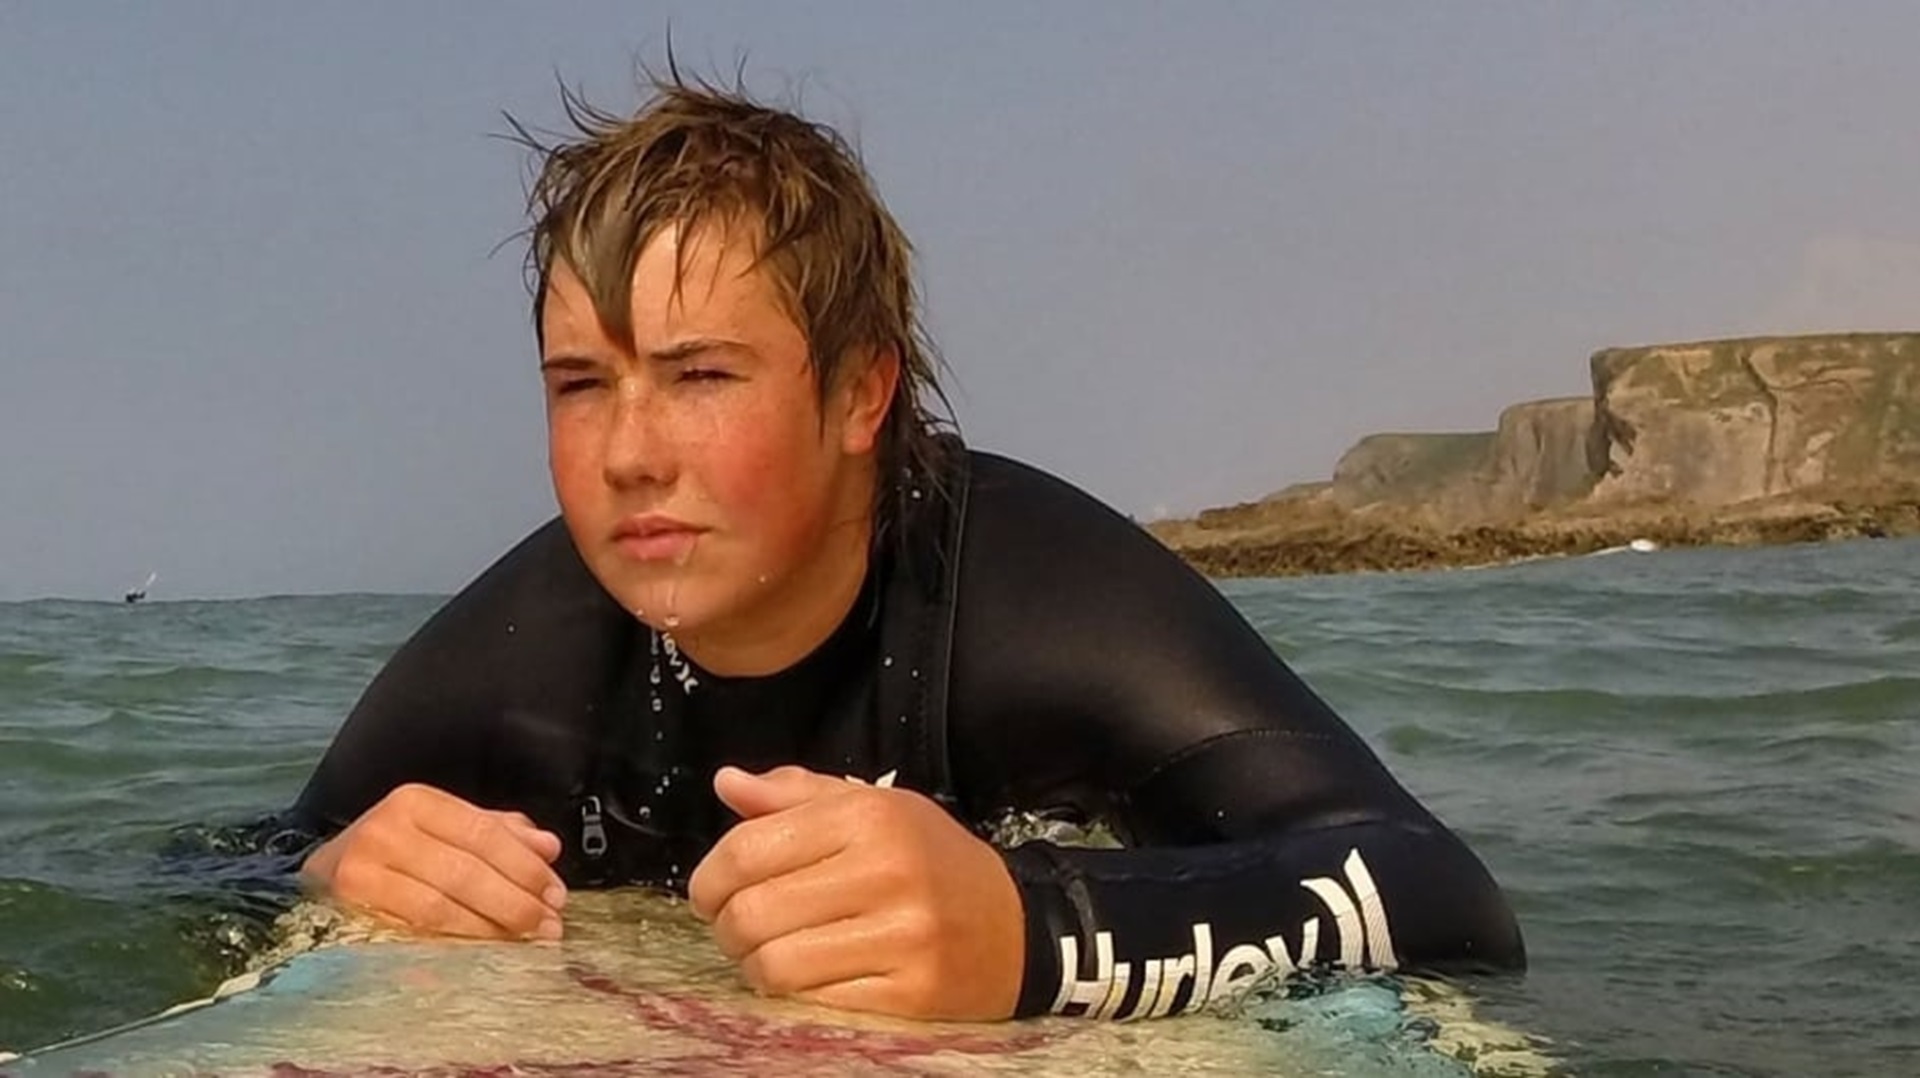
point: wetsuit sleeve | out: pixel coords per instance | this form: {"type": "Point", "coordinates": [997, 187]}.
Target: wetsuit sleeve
{"type": "Point", "coordinates": [1094, 672]}
{"type": "Point", "coordinates": [493, 699]}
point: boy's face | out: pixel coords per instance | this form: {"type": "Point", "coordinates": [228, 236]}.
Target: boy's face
{"type": "Point", "coordinates": [702, 479]}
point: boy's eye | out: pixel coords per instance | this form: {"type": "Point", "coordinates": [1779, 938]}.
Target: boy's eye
{"type": "Point", "coordinates": [568, 387]}
{"type": "Point", "coordinates": [704, 374]}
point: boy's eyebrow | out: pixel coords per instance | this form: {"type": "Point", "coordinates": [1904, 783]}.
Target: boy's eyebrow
{"type": "Point", "coordinates": [681, 350]}
{"type": "Point", "coordinates": [672, 353]}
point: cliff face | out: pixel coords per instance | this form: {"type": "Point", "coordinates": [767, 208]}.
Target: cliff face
{"type": "Point", "coordinates": [1401, 468]}
{"type": "Point", "coordinates": [1708, 424]}
{"type": "Point", "coordinates": [1721, 422]}
{"type": "Point", "coordinates": [1538, 457]}
{"type": "Point", "coordinates": [1758, 440]}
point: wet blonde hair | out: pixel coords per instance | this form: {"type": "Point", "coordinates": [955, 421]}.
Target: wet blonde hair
{"type": "Point", "coordinates": [697, 156]}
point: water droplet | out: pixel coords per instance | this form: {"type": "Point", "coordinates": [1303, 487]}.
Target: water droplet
{"type": "Point", "coordinates": [509, 626]}
{"type": "Point", "coordinates": [656, 705]}
{"type": "Point", "coordinates": [673, 621]}
{"type": "Point", "coordinates": [761, 579]}
{"type": "Point", "coordinates": [913, 673]}
{"type": "Point", "coordinates": [658, 735]}
{"type": "Point", "coordinates": [887, 661]}
{"type": "Point", "coordinates": [645, 813]}
{"type": "Point", "coordinates": [915, 492]}
{"type": "Point", "coordinates": [903, 720]}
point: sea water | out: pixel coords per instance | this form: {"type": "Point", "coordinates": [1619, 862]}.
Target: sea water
{"type": "Point", "coordinates": [1697, 773]}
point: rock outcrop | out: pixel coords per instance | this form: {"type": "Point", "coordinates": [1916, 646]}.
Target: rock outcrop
{"type": "Point", "coordinates": [1754, 440]}
{"type": "Point", "coordinates": [1722, 422]}
{"type": "Point", "coordinates": [1540, 456]}
{"type": "Point", "coordinates": [1410, 468]}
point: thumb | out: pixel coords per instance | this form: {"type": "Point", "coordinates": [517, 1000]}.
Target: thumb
{"type": "Point", "coordinates": [778, 790]}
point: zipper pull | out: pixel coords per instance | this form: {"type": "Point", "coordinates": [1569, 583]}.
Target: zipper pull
{"type": "Point", "coordinates": [593, 836]}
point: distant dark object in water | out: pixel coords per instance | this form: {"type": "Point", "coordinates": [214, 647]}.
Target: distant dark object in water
{"type": "Point", "coordinates": [139, 594]}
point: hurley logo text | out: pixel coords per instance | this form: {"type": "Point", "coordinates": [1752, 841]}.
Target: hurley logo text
{"type": "Point", "coordinates": [1362, 940]}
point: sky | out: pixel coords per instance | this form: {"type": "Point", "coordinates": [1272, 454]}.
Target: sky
{"type": "Point", "coordinates": [263, 325]}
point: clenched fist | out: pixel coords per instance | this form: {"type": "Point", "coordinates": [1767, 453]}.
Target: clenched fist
{"type": "Point", "coordinates": [861, 897]}
{"type": "Point", "coordinates": [430, 861]}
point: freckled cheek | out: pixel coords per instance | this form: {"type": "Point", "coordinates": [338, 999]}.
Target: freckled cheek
{"type": "Point", "coordinates": [746, 480]}
{"type": "Point", "coordinates": [764, 484]}
{"type": "Point", "coordinates": [574, 450]}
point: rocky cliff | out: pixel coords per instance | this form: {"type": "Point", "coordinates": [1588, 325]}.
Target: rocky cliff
{"type": "Point", "coordinates": [1538, 457]}
{"type": "Point", "coordinates": [1767, 439]}
{"type": "Point", "coordinates": [1721, 422]}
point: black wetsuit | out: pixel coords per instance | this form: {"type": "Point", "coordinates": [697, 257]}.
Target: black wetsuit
{"type": "Point", "coordinates": [1063, 663]}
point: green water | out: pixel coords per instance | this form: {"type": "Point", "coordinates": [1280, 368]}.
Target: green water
{"type": "Point", "coordinates": [1697, 773]}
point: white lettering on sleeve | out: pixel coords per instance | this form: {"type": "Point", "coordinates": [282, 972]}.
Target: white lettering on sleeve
{"type": "Point", "coordinates": [1346, 919]}
{"type": "Point", "coordinates": [1361, 936]}
{"type": "Point", "coordinates": [1373, 912]}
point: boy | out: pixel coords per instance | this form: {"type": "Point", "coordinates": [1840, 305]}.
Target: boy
{"type": "Point", "coordinates": [794, 650]}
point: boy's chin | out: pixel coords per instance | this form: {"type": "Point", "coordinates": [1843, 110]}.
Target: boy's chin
{"type": "Point", "coordinates": [683, 612]}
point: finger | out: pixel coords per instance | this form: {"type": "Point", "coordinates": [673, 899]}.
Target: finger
{"type": "Point", "coordinates": [777, 790]}
{"type": "Point", "coordinates": [823, 955]}
{"type": "Point", "coordinates": [418, 799]}
{"type": "Point", "coordinates": [873, 995]}
{"type": "Point", "coordinates": [451, 815]}
{"type": "Point", "coordinates": [817, 895]}
{"type": "Point", "coordinates": [475, 885]}
{"type": "Point", "coordinates": [483, 835]}
{"type": "Point", "coordinates": [762, 849]}
{"type": "Point", "coordinates": [901, 993]}
{"type": "Point", "coordinates": [418, 905]}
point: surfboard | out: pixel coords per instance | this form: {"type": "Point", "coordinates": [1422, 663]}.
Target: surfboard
{"type": "Point", "coordinates": [637, 988]}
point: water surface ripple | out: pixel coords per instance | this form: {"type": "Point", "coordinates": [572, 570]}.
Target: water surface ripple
{"type": "Point", "coordinates": [1698, 774]}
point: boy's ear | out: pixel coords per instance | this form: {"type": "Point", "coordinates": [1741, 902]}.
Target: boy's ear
{"type": "Point", "coordinates": [865, 396]}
